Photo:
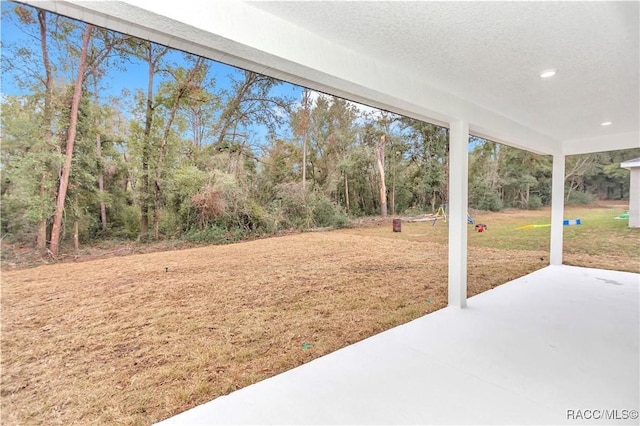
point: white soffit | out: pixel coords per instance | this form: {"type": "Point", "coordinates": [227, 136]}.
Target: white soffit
{"type": "Point", "coordinates": [491, 53]}
{"type": "Point", "coordinates": [436, 61]}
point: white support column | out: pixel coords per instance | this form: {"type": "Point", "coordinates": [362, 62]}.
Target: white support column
{"type": "Point", "coordinates": [458, 194]}
{"type": "Point", "coordinates": [634, 198]}
{"type": "Point", "coordinates": [557, 209]}
{"type": "Point", "coordinates": [634, 192]}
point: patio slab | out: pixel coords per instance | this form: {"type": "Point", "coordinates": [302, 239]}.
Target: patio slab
{"type": "Point", "coordinates": [558, 346]}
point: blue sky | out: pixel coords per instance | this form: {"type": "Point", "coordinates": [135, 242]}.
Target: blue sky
{"type": "Point", "coordinates": [132, 78]}
{"type": "Point", "coordinates": [135, 75]}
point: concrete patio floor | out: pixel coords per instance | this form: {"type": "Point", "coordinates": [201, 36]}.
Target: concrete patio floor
{"type": "Point", "coordinates": [558, 346]}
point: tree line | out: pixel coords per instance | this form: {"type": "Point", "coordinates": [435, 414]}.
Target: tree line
{"type": "Point", "coordinates": [206, 157]}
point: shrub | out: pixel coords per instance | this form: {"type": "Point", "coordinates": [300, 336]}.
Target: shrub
{"type": "Point", "coordinates": [125, 222]}
{"type": "Point", "coordinates": [170, 225]}
{"type": "Point", "coordinates": [296, 208]}
{"type": "Point", "coordinates": [483, 198]}
{"type": "Point", "coordinates": [534, 202]}
{"type": "Point", "coordinates": [580, 198]}
{"type": "Point", "coordinates": [325, 213]}
{"type": "Point", "coordinates": [209, 204]}
{"type": "Point", "coordinates": [259, 218]}
{"type": "Point", "coordinates": [209, 234]}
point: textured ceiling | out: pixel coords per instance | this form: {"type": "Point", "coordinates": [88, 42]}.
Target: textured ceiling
{"type": "Point", "coordinates": [491, 53]}
{"type": "Point", "coordinates": [438, 61]}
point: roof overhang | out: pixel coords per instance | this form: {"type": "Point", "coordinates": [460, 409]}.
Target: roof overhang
{"type": "Point", "coordinates": [631, 164]}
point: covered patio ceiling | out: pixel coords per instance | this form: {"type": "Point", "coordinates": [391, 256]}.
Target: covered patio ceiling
{"type": "Point", "coordinates": [436, 61]}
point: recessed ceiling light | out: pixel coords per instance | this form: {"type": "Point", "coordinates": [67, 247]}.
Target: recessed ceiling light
{"type": "Point", "coordinates": [606, 123]}
{"type": "Point", "coordinates": [548, 73]}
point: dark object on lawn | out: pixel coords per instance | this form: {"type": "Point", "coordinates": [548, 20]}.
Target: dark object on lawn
{"type": "Point", "coordinates": [397, 225]}
{"type": "Point", "coordinates": [481, 227]}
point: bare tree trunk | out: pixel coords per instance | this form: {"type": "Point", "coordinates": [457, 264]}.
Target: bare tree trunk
{"type": "Point", "coordinates": [305, 135]}
{"type": "Point", "coordinates": [144, 184]}
{"type": "Point", "coordinates": [304, 162]}
{"type": "Point", "coordinates": [346, 191]}
{"type": "Point", "coordinates": [152, 58]}
{"type": "Point", "coordinates": [71, 137]}
{"type": "Point", "coordinates": [76, 234]}
{"type": "Point", "coordinates": [156, 212]}
{"type": "Point", "coordinates": [41, 237]}
{"type": "Point", "coordinates": [103, 207]}
{"type": "Point", "coordinates": [383, 187]}
{"type": "Point", "coordinates": [41, 242]}
{"type": "Point", "coordinates": [569, 191]}
{"type": "Point", "coordinates": [144, 194]}
{"type": "Point", "coordinates": [393, 197]}
{"type": "Point", "coordinates": [128, 182]}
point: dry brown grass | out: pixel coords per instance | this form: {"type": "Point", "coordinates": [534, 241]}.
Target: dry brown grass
{"type": "Point", "coordinates": [135, 339]}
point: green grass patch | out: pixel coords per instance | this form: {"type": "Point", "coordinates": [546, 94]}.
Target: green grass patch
{"type": "Point", "coordinates": [599, 232]}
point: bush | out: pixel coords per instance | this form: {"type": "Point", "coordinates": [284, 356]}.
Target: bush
{"type": "Point", "coordinates": [296, 208]}
{"type": "Point", "coordinates": [580, 198]}
{"type": "Point", "coordinates": [125, 222]}
{"type": "Point", "coordinates": [170, 225]}
{"type": "Point", "coordinates": [210, 234]}
{"type": "Point", "coordinates": [19, 217]}
{"type": "Point", "coordinates": [413, 211]}
{"type": "Point", "coordinates": [482, 198]}
{"type": "Point", "coordinates": [535, 202]}
{"type": "Point", "coordinates": [325, 213]}
{"type": "Point", "coordinates": [259, 219]}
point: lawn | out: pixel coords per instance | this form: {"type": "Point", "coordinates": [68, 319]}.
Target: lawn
{"type": "Point", "coordinates": [135, 339]}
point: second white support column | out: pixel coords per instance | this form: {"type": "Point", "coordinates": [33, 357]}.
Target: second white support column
{"type": "Point", "coordinates": [557, 209]}
{"type": "Point", "coordinates": [458, 194]}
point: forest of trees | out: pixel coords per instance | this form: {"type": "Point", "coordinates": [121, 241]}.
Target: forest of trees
{"type": "Point", "coordinates": [201, 156]}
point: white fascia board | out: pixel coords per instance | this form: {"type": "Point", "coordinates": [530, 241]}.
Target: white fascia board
{"type": "Point", "coordinates": [238, 34]}
{"type": "Point", "coordinates": [518, 136]}
{"type": "Point", "coordinates": [631, 164]}
{"type": "Point", "coordinates": [602, 143]}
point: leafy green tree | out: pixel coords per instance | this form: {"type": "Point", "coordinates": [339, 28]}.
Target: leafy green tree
{"type": "Point", "coordinates": [173, 97]}
{"type": "Point", "coordinates": [608, 180]}
{"type": "Point", "coordinates": [281, 163]}
{"type": "Point", "coordinates": [26, 158]}
{"type": "Point", "coordinates": [428, 155]}
{"type": "Point", "coordinates": [377, 130]}
{"type": "Point", "coordinates": [116, 195]}
{"type": "Point", "coordinates": [152, 55]}
{"type": "Point", "coordinates": [90, 57]}
{"type": "Point", "coordinates": [330, 133]}
{"type": "Point", "coordinates": [484, 177]}
{"type": "Point", "coordinates": [33, 70]}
